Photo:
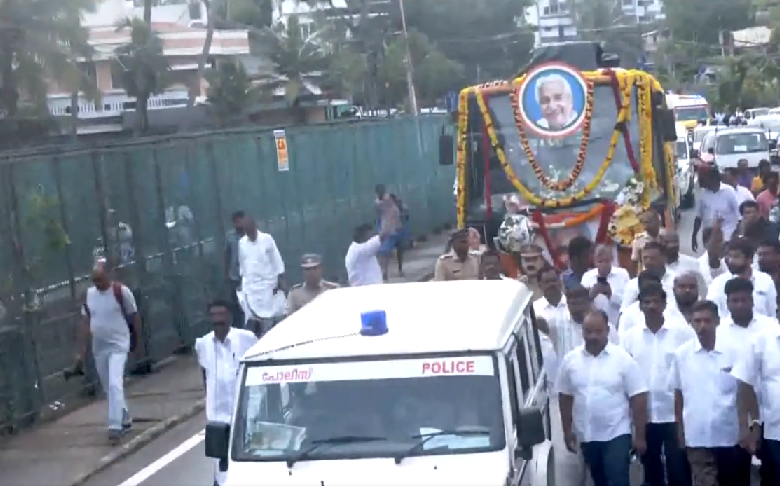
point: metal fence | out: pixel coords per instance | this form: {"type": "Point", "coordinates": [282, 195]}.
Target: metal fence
{"type": "Point", "coordinates": [160, 209]}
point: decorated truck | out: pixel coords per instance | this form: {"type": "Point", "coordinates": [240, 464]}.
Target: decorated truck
{"type": "Point", "coordinates": [574, 145]}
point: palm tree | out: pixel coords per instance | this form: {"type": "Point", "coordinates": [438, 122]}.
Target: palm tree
{"type": "Point", "coordinates": [40, 40]}
{"type": "Point", "coordinates": [204, 56]}
{"type": "Point", "coordinates": [141, 66]}
{"type": "Point", "coordinates": [298, 63]}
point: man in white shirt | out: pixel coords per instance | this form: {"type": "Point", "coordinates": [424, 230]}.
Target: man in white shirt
{"type": "Point", "coordinates": [705, 403]}
{"type": "Point", "coordinates": [262, 277]}
{"type": "Point", "coordinates": [361, 260]}
{"type": "Point", "coordinates": [654, 262]}
{"type": "Point", "coordinates": [758, 372]}
{"type": "Point", "coordinates": [597, 384]}
{"type": "Point", "coordinates": [730, 176]}
{"type": "Point", "coordinates": [606, 280]}
{"type": "Point", "coordinates": [679, 263]}
{"type": "Point", "coordinates": [552, 313]}
{"type": "Point", "coordinates": [711, 263]}
{"type": "Point", "coordinates": [219, 355]}
{"type": "Point", "coordinates": [740, 258]}
{"type": "Point", "coordinates": [652, 345]}
{"type": "Point", "coordinates": [716, 201]}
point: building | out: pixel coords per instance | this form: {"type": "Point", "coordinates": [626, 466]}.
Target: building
{"type": "Point", "coordinates": [181, 28]}
{"type": "Point", "coordinates": [554, 21]}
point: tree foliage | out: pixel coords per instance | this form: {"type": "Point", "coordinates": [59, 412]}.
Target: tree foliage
{"type": "Point", "coordinates": [230, 92]}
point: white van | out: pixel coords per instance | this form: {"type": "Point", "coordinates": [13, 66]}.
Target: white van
{"type": "Point", "coordinates": [685, 177]}
{"type": "Point", "coordinates": [435, 383]}
{"type": "Point", "coordinates": [730, 145]}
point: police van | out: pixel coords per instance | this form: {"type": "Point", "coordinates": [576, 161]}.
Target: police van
{"type": "Point", "coordinates": [435, 383]}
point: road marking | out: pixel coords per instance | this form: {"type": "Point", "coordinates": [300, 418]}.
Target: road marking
{"type": "Point", "coordinates": [141, 476]}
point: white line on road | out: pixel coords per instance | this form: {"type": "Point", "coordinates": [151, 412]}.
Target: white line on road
{"type": "Point", "coordinates": [141, 476]}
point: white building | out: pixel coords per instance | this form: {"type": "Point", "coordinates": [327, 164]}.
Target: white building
{"type": "Point", "coordinates": [554, 21]}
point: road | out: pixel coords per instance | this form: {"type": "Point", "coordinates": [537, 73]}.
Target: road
{"type": "Point", "coordinates": [177, 458]}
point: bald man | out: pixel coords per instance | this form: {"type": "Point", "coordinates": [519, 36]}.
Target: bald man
{"type": "Point", "coordinates": [606, 282]}
{"type": "Point", "coordinates": [108, 313]}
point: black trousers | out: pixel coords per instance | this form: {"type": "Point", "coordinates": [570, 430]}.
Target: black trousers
{"type": "Point", "coordinates": [662, 441]}
{"type": "Point", "coordinates": [236, 309]}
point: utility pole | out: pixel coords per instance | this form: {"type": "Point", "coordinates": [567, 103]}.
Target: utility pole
{"type": "Point", "coordinates": [408, 63]}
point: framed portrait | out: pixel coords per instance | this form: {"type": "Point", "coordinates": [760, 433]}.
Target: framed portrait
{"type": "Point", "coordinates": [552, 100]}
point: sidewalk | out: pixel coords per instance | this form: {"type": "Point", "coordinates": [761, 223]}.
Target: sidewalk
{"type": "Point", "coordinates": [74, 448]}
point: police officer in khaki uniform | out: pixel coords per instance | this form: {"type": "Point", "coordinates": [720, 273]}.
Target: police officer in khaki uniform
{"type": "Point", "coordinates": [312, 286]}
{"type": "Point", "coordinates": [459, 263]}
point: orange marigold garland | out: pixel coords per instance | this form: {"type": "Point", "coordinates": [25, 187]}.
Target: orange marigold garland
{"type": "Point", "coordinates": [526, 145]}
{"type": "Point", "coordinates": [463, 118]}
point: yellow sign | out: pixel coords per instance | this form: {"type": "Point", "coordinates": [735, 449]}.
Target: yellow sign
{"type": "Point", "coordinates": [282, 155]}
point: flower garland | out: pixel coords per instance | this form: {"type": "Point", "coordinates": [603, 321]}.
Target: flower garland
{"type": "Point", "coordinates": [576, 220]}
{"type": "Point", "coordinates": [463, 121]}
{"type": "Point", "coordinates": [532, 198]}
{"type": "Point", "coordinates": [555, 185]}
{"type": "Point", "coordinates": [619, 84]}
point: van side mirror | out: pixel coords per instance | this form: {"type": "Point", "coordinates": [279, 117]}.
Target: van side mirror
{"type": "Point", "coordinates": [446, 149]}
{"type": "Point", "coordinates": [530, 425]}
{"type": "Point", "coordinates": [217, 440]}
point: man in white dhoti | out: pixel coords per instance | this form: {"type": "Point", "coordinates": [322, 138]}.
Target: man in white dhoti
{"type": "Point", "coordinates": [219, 355]}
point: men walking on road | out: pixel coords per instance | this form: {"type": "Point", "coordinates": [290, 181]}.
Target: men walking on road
{"type": "Point", "coordinates": [232, 270]}
{"type": "Point", "coordinates": [598, 383]}
{"type": "Point", "coordinates": [705, 404]}
{"type": "Point", "coordinates": [109, 312]}
{"type": "Point", "coordinates": [312, 286]}
{"type": "Point", "coordinates": [262, 277]}
{"type": "Point", "coordinates": [219, 355]}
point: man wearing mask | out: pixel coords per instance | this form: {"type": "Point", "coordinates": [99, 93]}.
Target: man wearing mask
{"type": "Point", "coordinates": [739, 262]}
{"type": "Point", "coordinates": [653, 262]}
{"type": "Point", "coordinates": [607, 281]}
{"type": "Point", "coordinates": [580, 252]}
{"type": "Point", "coordinates": [652, 345]}
{"type": "Point", "coordinates": [219, 355]}
{"type": "Point", "coordinates": [599, 423]}
{"type": "Point", "coordinates": [705, 404]}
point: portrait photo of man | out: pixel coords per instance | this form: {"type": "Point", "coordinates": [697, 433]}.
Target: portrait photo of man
{"type": "Point", "coordinates": [556, 100]}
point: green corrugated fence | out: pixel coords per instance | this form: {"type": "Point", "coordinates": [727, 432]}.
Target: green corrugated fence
{"type": "Point", "coordinates": [159, 209]}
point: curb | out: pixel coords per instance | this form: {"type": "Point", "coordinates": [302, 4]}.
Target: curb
{"type": "Point", "coordinates": [147, 436]}
{"type": "Point", "coordinates": [139, 441]}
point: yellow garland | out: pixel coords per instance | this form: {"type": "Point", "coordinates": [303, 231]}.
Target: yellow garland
{"type": "Point", "coordinates": [463, 118]}
{"type": "Point", "coordinates": [532, 198]}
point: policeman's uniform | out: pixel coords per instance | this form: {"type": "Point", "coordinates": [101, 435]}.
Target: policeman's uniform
{"type": "Point", "coordinates": [301, 294]}
{"type": "Point", "coordinates": [450, 267]}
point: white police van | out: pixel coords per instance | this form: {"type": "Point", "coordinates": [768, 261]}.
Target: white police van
{"type": "Point", "coordinates": [436, 383]}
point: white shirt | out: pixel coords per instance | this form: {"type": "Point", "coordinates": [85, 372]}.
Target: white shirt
{"type": "Point", "coordinates": [601, 386]}
{"type": "Point", "coordinates": [709, 273]}
{"type": "Point", "coordinates": [654, 352]}
{"type": "Point", "coordinates": [617, 279]}
{"type": "Point", "coordinates": [362, 266]}
{"type": "Point", "coordinates": [709, 393]}
{"type": "Point", "coordinates": [719, 204]}
{"type": "Point", "coordinates": [764, 293]}
{"type": "Point", "coordinates": [551, 313]}
{"type": "Point", "coordinates": [760, 368]}
{"type": "Point", "coordinates": [631, 293]}
{"type": "Point", "coordinates": [221, 360]}
{"type": "Point", "coordinates": [743, 194]}
{"type": "Point", "coordinates": [260, 265]}
{"type": "Point", "coordinates": [633, 317]}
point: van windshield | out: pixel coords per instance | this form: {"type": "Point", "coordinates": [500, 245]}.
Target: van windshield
{"type": "Point", "coordinates": [741, 143]}
{"type": "Point", "coordinates": [336, 410]}
{"type": "Point", "coordinates": [691, 113]}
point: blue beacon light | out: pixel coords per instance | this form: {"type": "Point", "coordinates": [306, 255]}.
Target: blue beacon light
{"type": "Point", "coordinates": [373, 323]}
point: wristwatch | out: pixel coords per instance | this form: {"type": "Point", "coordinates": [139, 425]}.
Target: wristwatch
{"type": "Point", "coordinates": [755, 424]}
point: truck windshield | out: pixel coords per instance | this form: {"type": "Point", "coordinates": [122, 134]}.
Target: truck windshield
{"type": "Point", "coordinates": [558, 157]}
{"type": "Point", "coordinates": [331, 410]}
{"type": "Point", "coordinates": [691, 113]}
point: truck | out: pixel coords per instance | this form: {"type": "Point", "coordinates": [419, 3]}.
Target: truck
{"type": "Point", "coordinates": [689, 110]}
{"type": "Point", "coordinates": [583, 145]}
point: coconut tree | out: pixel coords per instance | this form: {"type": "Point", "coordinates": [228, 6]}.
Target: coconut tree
{"type": "Point", "coordinates": [141, 66]}
{"type": "Point", "coordinates": [40, 40]}
{"type": "Point", "coordinates": [298, 62]}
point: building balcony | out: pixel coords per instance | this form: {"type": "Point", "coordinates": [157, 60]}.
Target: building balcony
{"type": "Point", "coordinates": [114, 103]}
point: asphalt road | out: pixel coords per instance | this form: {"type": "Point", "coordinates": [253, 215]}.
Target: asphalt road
{"type": "Point", "coordinates": [177, 458]}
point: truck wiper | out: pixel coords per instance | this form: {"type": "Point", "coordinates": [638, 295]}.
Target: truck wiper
{"type": "Point", "coordinates": [424, 438]}
{"type": "Point", "coordinates": [338, 440]}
